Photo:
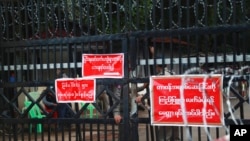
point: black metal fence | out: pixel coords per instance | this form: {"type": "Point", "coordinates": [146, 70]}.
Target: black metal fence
{"type": "Point", "coordinates": [40, 37]}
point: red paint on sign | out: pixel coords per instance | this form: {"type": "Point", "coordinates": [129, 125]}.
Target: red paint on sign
{"type": "Point", "coordinates": [187, 100]}
{"type": "Point", "coordinates": [103, 65]}
{"type": "Point", "coordinates": [75, 90]}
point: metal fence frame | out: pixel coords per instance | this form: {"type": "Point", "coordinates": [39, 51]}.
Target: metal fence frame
{"type": "Point", "coordinates": [29, 56]}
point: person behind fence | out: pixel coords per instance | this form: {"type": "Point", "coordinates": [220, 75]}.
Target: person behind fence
{"type": "Point", "coordinates": [50, 103]}
{"type": "Point", "coordinates": [117, 112]}
{"type": "Point", "coordinates": [165, 133]}
{"type": "Point", "coordinates": [12, 79]}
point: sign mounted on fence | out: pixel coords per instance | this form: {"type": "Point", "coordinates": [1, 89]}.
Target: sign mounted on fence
{"type": "Point", "coordinates": [103, 65]}
{"type": "Point", "coordinates": [75, 90]}
{"type": "Point", "coordinates": [187, 100]}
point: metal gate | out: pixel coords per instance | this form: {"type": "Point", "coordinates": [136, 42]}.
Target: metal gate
{"type": "Point", "coordinates": [40, 38]}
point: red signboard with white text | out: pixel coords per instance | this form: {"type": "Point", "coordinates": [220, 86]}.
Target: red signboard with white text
{"type": "Point", "coordinates": [75, 90]}
{"type": "Point", "coordinates": [186, 100]}
{"type": "Point", "coordinates": [103, 65]}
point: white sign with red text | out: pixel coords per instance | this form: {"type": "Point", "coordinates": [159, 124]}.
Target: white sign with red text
{"type": "Point", "coordinates": [103, 65]}
{"type": "Point", "coordinates": [75, 90]}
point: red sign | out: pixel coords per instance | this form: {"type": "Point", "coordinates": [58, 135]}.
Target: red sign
{"type": "Point", "coordinates": [188, 100]}
{"type": "Point", "coordinates": [75, 90]}
{"type": "Point", "coordinates": [103, 65]}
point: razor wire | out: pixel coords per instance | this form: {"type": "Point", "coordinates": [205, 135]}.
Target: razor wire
{"type": "Point", "coordinates": [113, 16]}
{"type": "Point", "coordinates": [243, 72]}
